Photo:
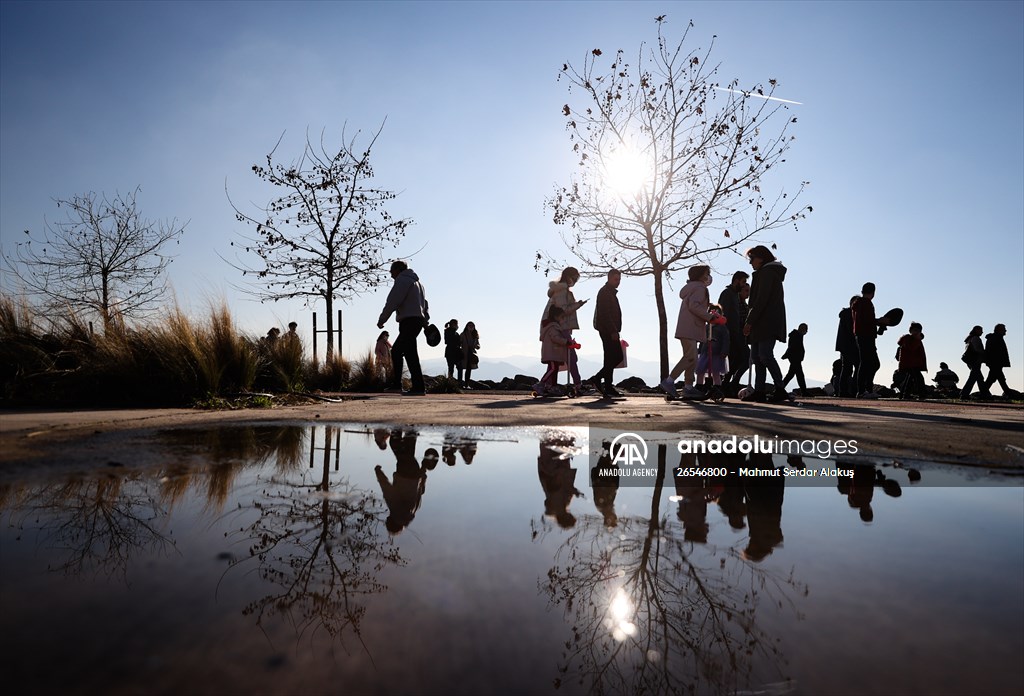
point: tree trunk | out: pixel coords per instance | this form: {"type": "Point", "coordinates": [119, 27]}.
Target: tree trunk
{"type": "Point", "coordinates": [659, 298]}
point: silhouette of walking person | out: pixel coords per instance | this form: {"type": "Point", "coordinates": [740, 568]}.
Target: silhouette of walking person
{"type": "Point", "coordinates": [865, 329]}
{"type": "Point", "coordinates": [846, 344]}
{"type": "Point", "coordinates": [795, 354]}
{"type": "Point", "coordinates": [974, 356]}
{"type": "Point", "coordinates": [766, 321]}
{"type": "Point", "coordinates": [997, 357]}
{"type": "Point", "coordinates": [408, 301]}
{"type": "Point", "coordinates": [608, 323]}
{"type": "Point", "coordinates": [469, 342]}
{"type": "Point", "coordinates": [739, 352]}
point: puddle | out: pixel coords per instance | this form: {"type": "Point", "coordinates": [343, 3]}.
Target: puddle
{"type": "Point", "coordinates": [341, 558]}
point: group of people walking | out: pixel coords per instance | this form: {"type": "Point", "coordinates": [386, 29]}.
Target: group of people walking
{"type": "Point", "coordinates": [743, 326]}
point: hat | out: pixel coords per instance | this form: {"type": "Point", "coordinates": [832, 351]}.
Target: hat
{"type": "Point", "coordinates": [432, 334]}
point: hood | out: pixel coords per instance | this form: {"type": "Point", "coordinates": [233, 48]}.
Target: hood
{"type": "Point", "coordinates": [990, 336]}
{"type": "Point", "coordinates": [556, 286]}
{"type": "Point", "coordinates": [408, 275]}
{"type": "Point", "coordinates": [774, 268]}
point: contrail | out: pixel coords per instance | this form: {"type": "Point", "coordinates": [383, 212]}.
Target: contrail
{"type": "Point", "coordinates": [755, 94]}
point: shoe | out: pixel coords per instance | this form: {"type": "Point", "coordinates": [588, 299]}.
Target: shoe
{"type": "Point", "coordinates": [691, 392]}
{"type": "Point", "coordinates": [716, 394]}
{"type": "Point", "coordinates": [415, 392]}
{"type": "Point", "coordinates": [669, 387]}
{"type": "Point", "coordinates": [539, 389]}
{"type": "Point", "coordinates": [779, 395]}
{"type": "Point", "coordinates": [611, 391]}
{"type": "Point", "coordinates": [755, 395]}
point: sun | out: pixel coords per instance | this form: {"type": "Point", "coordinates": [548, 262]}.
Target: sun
{"type": "Point", "coordinates": [626, 172]}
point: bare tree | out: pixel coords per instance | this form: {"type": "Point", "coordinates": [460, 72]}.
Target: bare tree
{"type": "Point", "coordinates": [670, 165]}
{"type": "Point", "coordinates": [323, 237]}
{"type": "Point", "coordinates": [104, 257]}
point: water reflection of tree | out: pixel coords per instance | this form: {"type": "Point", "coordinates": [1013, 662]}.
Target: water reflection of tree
{"type": "Point", "coordinates": [321, 543]}
{"type": "Point", "coordinates": [653, 614]}
{"type": "Point", "coordinates": [97, 524]}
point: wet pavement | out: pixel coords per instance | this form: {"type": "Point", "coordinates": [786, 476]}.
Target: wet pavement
{"type": "Point", "coordinates": [371, 558]}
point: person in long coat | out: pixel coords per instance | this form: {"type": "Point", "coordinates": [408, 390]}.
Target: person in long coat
{"type": "Point", "coordinates": [766, 321]}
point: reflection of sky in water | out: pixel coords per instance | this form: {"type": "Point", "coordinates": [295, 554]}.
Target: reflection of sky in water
{"type": "Point", "coordinates": [239, 562]}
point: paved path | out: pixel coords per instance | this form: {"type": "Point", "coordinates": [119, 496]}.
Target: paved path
{"type": "Point", "coordinates": [980, 434]}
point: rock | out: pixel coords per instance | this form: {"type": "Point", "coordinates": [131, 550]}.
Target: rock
{"type": "Point", "coordinates": [632, 384]}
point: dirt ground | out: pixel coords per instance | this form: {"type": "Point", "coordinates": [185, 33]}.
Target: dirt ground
{"type": "Point", "coordinates": [990, 435]}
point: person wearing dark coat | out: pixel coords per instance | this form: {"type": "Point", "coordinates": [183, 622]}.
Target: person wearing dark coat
{"type": "Point", "coordinates": [453, 348]}
{"type": "Point", "coordinates": [608, 322]}
{"type": "Point", "coordinates": [795, 354]}
{"type": "Point", "coordinates": [997, 357]}
{"type": "Point", "coordinates": [739, 351]}
{"type": "Point", "coordinates": [846, 344]}
{"type": "Point", "coordinates": [974, 357]}
{"type": "Point", "coordinates": [766, 321]}
{"type": "Point", "coordinates": [865, 329]}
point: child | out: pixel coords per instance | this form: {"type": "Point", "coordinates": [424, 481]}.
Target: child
{"type": "Point", "coordinates": [554, 349]}
{"type": "Point", "coordinates": [913, 362]}
{"type": "Point", "coordinates": [712, 353]}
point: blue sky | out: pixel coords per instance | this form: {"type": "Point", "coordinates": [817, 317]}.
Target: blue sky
{"type": "Point", "coordinates": [911, 132]}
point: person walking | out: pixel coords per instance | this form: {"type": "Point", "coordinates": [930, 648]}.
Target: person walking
{"type": "Point", "coordinates": [453, 348]}
{"type": "Point", "coordinates": [408, 302]}
{"type": "Point", "coordinates": [553, 354]}
{"type": "Point", "coordinates": [739, 352]}
{"type": "Point", "coordinates": [470, 344]}
{"type": "Point", "coordinates": [865, 329]}
{"type": "Point", "coordinates": [608, 323]}
{"type": "Point", "coordinates": [795, 354]}
{"type": "Point", "coordinates": [997, 357]}
{"type": "Point", "coordinates": [974, 357]}
{"type": "Point", "coordinates": [766, 321]}
{"type": "Point", "coordinates": [849, 356]}
{"type": "Point", "coordinates": [560, 295]}
{"type": "Point", "coordinates": [691, 327]}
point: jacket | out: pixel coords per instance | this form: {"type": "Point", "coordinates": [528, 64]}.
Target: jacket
{"type": "Point", "coordinates": [795, 349]}
{"type": "Point", "coordinates": [730, 302]}
{"type": "Point", "coordinates": [407, 299]}
{"type": "Point", "coordinates": [560, 295]}
{"type": "Point", "coordinates": [607, 313]}
{"type": "Point", "coordinates": [911, 353]}
{"type": "Point", "coordinates": [865, 323]}
{"type": "Point", "coordinates": [693, 311]}
{"type": "Point", "coordinates": [996, 354]}
{"type": "Point", "coordinates": [767, 316]}
{"type": "Point", "coordinates": [553, 346]}
{"type": "Point", "coordinates": [846, 341]}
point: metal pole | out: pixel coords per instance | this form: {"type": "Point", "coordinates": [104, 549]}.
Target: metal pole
{"type": "Point", "coordinates": [314, 338]}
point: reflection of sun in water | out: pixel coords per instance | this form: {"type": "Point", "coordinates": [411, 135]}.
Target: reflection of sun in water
{"type": "Point", "coordinates": [620, 611]}
{"type": "Point", "coordinates": [626, 172]}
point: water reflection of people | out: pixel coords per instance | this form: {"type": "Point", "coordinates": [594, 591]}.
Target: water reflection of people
{"type": "Point", "coordinates": [404, 493]}
{"type": "Point", "coordinates": [453, 445]}
{"type": "Point", "coordinates": [606, 487]}
{"type": "Point", "coordinates": [764, 508]}
{"type": "Point", "coordinates": [558, 479]}
{"type": "Point", "coordinates": [860, 488]}
{"type": "Point", "coordinates": [693, 500]}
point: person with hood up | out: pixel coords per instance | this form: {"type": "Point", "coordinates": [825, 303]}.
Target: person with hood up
{"type": "Point", "coordinates": [691, 327]}
{"type": "Point", "coordinates": [997, 357]}
{"type": "Point", "coordinates": [766, 321]}
{"type": "Point", "coordinates": [913, 362]}
{"type": "Point", "coordinates": [849, 356]}
{"type": "Point", "coordinates": [408, 301]}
